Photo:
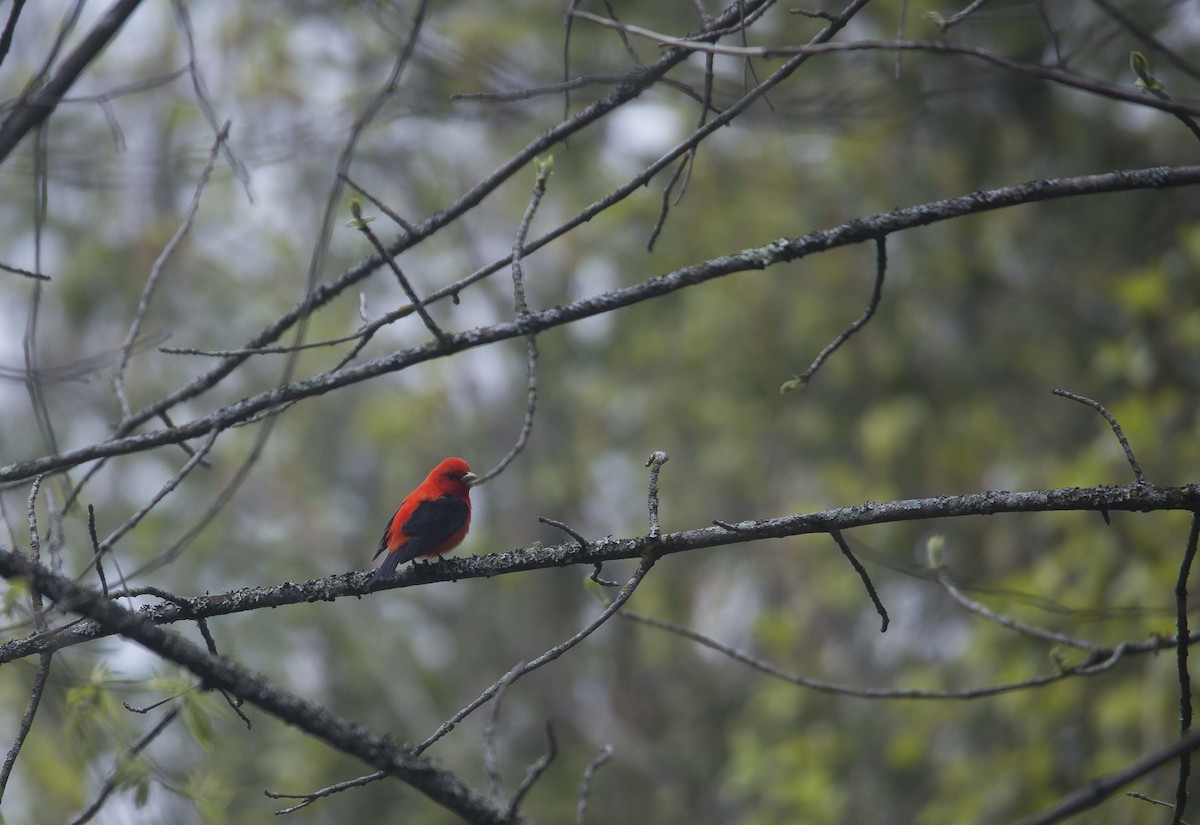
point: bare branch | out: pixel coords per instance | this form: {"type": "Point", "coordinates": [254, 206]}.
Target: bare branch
{"type": "Point", "coordinates": [535, 771]}
{"type": "Point", "coordinates": [307, 799]}
{"type": "Point", "coordinates": [1181, 660]}
{"type": "Point", "coordinates": [1091, 666]}
{"type": "Point", "coordinates": [426, 318]}
{"type": "Point", "coordinates": [542, 173]}
{"type": "Point", "coordinates": [936, 47]}
{"type": "Point", "coordinates": [1102, 787]}
{"type": "Point", "coordinates": [654, 462]}
{"type": "Point", "coordinates": [648, 560]}
{"type": "Point", "coordinates": [220, 672]}
{"type": "Point", "coordinates": [42, 674]}
{"type": "Point", "coordinates": [585, 783]}
{"type": "Point", "coordinates": [23, 272]}
{"type": "Point", "coordinates": [112, 782]}
{"type": "Point", "coordinates": [37, 103]}
{"type": "Point", "coordinates": [757, 258]}
{"type": "Point", "coordinates": [1009, 622]}
{"type": "Point", "coordinates": [800, 382]}
{"type": "Point", "coordinates": [866, 579]}
{"type": "Point", "coordinates": [185, 226]}
{"type": "Point", "coordinates": [354, 584]}
{"type": "Point", "coordinates": [636, 81]}
{"type": "Point", "coordinates": [1116, 428]}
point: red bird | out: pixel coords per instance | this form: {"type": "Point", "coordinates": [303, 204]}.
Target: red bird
{"type": "Point", "coordinates": [432, 519]}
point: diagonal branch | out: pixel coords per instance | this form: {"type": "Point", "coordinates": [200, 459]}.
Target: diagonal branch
{"type": "Point", "coordinates": [757, 258]}
{"type": "Point", "coordinates": [217, 672]}
{"type": "Point", "coordinates": [37, 104]}
{"type": "Point", "coordinates": [633, 83]}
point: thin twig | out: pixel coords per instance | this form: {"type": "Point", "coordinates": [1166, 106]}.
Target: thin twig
{"type": "Point", "coordinates": [1009, 622]}
{"type": "Point", "coordinates": [113, 781]}
{"type": "Point", "coordinates": [1152, 801]}
{"type": "Point", "coordinates": [201, 92]}
{"type": "Point", "coordinates": [14, 14]}
{"type": "Point", "coordinates": [570, 531]}
{"type": "Point", "coordinates": [535, 771]}
{"type": "Point", "coordinates": [1181, 659]}
{"type": "Point", "coordinates": [959, 16]}
{"type": "Point", "coordinates": [491, 761]}
{"type": "Point", "coordinates": [936, 47]}
{"type": "Point", "coordinates": [96, 549]}
{"type": "Point", "coordinates": [1088, 668]}
{"type": "Point", "coordinates": [800, 382]}
{"type": "Point", "coordinates": [173, 482]}
{"type": "Point", "coordinates": [390, 260]}
{"type": "Point", "coordinates": [521, 306]}
{"type": "Point", "coordinates": [307, 799]}
{"type": "Point", "coordinates": [1116, 428]}
{"type": "Point", "coordinates": [866, 579]}
{"type": "Point", "coordinates": [1149, 39]}
{"type": "Point", "coordinates": [276, 350]}
{"type": "Point", "coordinates": [156, 271]}
{"type": "Point", "coordinates": [15, 270]}
{"type": "Point", "coordinates": [42, 674]}
{"type": "Point", "coordinates": [380, 205]}
{"type": "Point", "coordinates": [1102, 787]}
{"type": "Point", "coordinates": [585, 783]}
{"type": "Point", "coordinates": [622, 596]}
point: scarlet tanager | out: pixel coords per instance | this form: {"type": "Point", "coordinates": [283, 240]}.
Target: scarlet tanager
{"type": "Point", "coordinates": [432, 519]}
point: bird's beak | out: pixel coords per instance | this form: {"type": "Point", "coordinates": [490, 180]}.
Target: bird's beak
{"type": "Point", "coordinates": [469, 479]}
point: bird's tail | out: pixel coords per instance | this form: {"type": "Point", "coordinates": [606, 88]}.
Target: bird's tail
{"type": "Point", "coordinates": [385, 570]}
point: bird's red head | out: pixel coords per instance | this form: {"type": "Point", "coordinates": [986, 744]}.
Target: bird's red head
{"type": "Point", "coordinates": [453, 476]}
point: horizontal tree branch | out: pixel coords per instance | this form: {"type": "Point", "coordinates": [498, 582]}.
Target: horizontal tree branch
{"type": "Point", "coordinates": [756, 258]}
{"type": "Point", "coordinates": [1135, 498]}
{"type": "Point", "coordinates": [221, 673]}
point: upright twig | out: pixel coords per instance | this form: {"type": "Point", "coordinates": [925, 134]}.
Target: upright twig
{"type": "Point", "coordinates": [535, 771]}
{"type": "Point", "coordinates": [1181, 659]}
{"type": "Point", "coordinates": [585, 783]}
{"type": "Point", "coordinates": [491, 759]}
{"type": "Point", "coordinates": [96, 550]}
{"type": "Point", "coordinates": [542, 170]}
{"type": "Point", "coordinates": [654, 462]}
{"type": "Point", "coordinates": [39, 622]}
{"type": "Point", "coordinates": [156, 271]}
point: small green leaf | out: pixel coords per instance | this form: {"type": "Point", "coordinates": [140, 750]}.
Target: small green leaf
{"type": "Point", "coordinates": [1141, 67]}
{"type": "Point", "coordinates": [933, 550]}
{"type": "Point", "coordinates": [17, 590]}
{"type": "Point", "coordinates": [197, 720]}
{"type": "Point", "coordinates": [357, 220]}
{"type": "Point", "coordinates": [792, 384]}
